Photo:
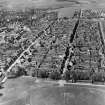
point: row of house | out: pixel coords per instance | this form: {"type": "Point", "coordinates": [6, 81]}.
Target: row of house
{"type": "Point", "coordinates": [87, 48]}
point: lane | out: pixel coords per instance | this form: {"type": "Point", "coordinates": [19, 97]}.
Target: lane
{"type": "Point", "coordinates": [102, 29]}
{"type": "Point", "coordinates": [102, 36]}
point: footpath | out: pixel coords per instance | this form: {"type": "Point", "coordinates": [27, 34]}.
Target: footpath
{"type": "Point", "coordinates": [64, 83]}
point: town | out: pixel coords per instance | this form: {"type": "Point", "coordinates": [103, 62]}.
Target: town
{"type": "Point", "coordinates": [37, 43]}
{"type": "Point", "coordinates": [46, 59]}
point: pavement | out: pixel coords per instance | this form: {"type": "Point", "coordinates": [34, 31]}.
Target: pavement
{"type": "Point", "coordinates": [28, 91]}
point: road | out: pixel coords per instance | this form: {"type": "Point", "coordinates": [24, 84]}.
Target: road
{"type": "Point", "coordinates": [26, 91]}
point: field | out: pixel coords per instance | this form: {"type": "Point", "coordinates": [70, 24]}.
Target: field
{"type": "Point", "coordinates": [25, 91]}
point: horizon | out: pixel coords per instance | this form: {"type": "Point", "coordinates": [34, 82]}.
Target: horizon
{"type": "Point", "coordinates": [21, 4]}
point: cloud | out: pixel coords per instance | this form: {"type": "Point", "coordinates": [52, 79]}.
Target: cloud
{"type": "Point", "coordinates": [75, 1]}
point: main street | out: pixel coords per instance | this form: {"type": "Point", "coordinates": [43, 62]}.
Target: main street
{"type": "Point", "coordinates": [28, 91]}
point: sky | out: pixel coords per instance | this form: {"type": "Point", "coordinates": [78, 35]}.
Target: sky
{"type": "Point", "coordinates": [50, 3]}
{"type": "Point", "coordinates": [65, 7]}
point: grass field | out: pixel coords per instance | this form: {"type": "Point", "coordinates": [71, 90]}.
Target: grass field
{"type": "Point", "coordinates": [25, 91]}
